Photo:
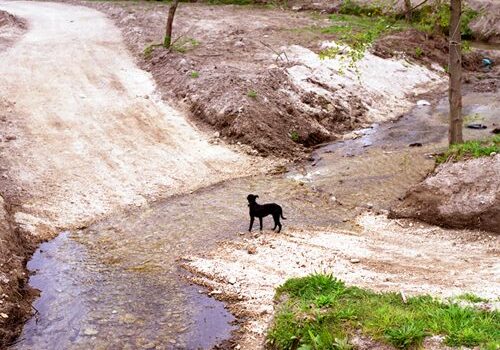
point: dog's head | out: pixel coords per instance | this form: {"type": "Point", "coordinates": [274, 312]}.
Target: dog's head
{"type": "Point", "coordinates": [251, 198]}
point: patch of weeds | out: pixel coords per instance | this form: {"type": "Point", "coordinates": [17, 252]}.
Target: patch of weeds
{"type": "Point", "coordinates": [322, 313]}
{"type": "Point", "coordinates": [372, 9]}
{"type": "Point", "coordinates": [252, 93]}
{"type": "Point", "coordinates": [294, 136]}
{"type": "Point", "coordinates": [148, 51]}
{"type": "Point", "coordinates": [358, 33]}
{"type": "Point", "coordinates": [470, 149]}
{"type": "Point", "coordinates": [183, 45]}
{"type": "Point", "coordinates": [471, 298]}
{"type": "Point", "coordinates": [194, 74]}
{"type": "Point", "coordinates": [419, 52]}
{"type": "Point", "coordinates": [436, 18]}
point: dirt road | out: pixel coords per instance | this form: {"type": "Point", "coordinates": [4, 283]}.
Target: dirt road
{"type": "Point", "coordinates": [84, 132]}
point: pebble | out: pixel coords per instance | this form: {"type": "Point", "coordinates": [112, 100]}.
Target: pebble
{"type": "Point", "coordinates": [90, 331]}
{"type": "Point", "coordinates": [232, 280]}
{"type": "Point", "coordinates": [423, 103]}
{"type": "Point", "coordinates": [492, 154]}
{"type": "Point", "coordinates": [10, 137]}
{"type": "Point", "coordinates": [354, 261]}
{"type": "Point", "coordinates": [4, 315]}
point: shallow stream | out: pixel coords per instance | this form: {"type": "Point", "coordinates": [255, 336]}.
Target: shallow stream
{"type": "Point", "coordinates": [117, 285]}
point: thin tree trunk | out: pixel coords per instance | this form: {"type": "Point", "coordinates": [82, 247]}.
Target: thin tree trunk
{"type": "Point", "coordinates": [455, 69]}
{"type": "Point", "coordinates": [170, 20]}
{"type": "Point", "coordinates": [408, 10]}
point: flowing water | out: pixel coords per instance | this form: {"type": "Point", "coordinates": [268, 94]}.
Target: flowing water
{"type": "Point", "coordinates": [117, 285]}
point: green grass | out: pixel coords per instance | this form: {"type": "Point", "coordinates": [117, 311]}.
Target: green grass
{"type": "Point", "coordinates": [294, 135]}
{"type": "Point", "coordinates": [321, 312]}
{"type": "Point", "coordinates": [183, 45]}
{"type": "Point", "coordinates": [470, 149]}
{"type": "Point", "coordinates": [252, 93]}
{"type": "Point", "coordinates": [194, 74]}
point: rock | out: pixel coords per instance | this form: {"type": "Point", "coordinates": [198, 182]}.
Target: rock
{"type": "Point", "coordinates": [239, 44]}
{"type": "Point", "coordinates": [423, 103]}
{"type": "Point", "coordinates": [415, 144]}
{"type": "Point", "coordinates": [333, 199]}
{"type": "Point", "coordinates": [216, 134]}
{"type": "Point", "coordinates": [354, 261]}
{"type": "Point", "coordinates": [296, 8]}
{"type": "Point", "coordinates": [231, 280]}
{"type": "Point", "coordinates": [10, 137]}
{"type": "Point", "coordinates": [369, 205]}
{"type": "Point", "coordinates": [90, 332]}
{"type": "Point", "coordinates": [496, 131]}
{"type": "Point", "coordinates": [476, 126]}
{"type": "Point", "coordinates": [492, 154]}
{"type": "Point", "coordinates": [3, 315]}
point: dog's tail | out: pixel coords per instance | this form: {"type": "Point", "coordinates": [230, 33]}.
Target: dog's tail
{"type": "Point", "coordinates": [282, 216]}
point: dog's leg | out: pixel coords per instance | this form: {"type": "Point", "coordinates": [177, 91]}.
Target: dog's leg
{"type": "Point", "coordinates": [279, 227]}
{"type": "Point", "coordinates": [260, 220]}
{"type": "Point", "coordinates": [251, 224]}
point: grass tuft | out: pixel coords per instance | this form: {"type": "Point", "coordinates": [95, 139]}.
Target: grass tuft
{"type": "Point", "coordinates": [470, 149]}
{"type": "Point", "coordinates": [321, 312]}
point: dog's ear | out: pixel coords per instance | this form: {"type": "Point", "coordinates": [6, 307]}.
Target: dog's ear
{"type": "Point", "coordinates": [256, 196]}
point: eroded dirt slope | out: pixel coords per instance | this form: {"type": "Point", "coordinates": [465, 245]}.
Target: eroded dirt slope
{"type": "Point", "coordinates": [254, 74]}
{"type": "Point", "coordinates": [84, 132]}
{"type": "Point", "coordinates": [463, 194]}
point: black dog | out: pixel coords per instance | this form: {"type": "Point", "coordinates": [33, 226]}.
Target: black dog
{"type": "Point", "coordinates": [257, 210]}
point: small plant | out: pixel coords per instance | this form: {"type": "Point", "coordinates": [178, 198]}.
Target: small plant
{"type": "Point", "coordinates": [471, 298]}
{"type": "Point", "coordinates": [183, 45]}
{"type": "Point", "coordinates": [148, 51]}
{"type": "Point", "coordinates": [252, 93]}
{"type": "Point", "coordinates": [418, 52]}
{"type": "Point", "coordinates": [402, 337]}
{"type": "Point", "coordinates": [194, 74]}
{"type": "Point", "coordinates": [294, 135]}
{"type": "Point", "coordinates": [470, 149]}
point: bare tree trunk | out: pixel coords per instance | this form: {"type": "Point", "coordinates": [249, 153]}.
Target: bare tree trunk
{"type": "Point", "coordinates": [455, 68]}
{"type": "Point", "coordinates": [408, 10]}
{"type": "Point", "coordinates": [170, 20]}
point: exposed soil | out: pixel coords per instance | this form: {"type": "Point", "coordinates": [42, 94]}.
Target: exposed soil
{"type": "Point", "coordinates": [99, 139]}
{"type": "Point", "coordinates": [380, 255]}
{"type": "Point", "coordinates": [11, 28]}
{"type": "Point", "coordinates": [461, 195]}
{"type": "Point", "coordinates": [15, 247]}
{"type": "Point", "coordinates": [255, 76]}
{"type": "Point", "coordinates": [90, 138]}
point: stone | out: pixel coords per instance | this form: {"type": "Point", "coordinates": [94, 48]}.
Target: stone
{"type": "Point", "coordinates": [231, 280]}
{"type": "Point", "coordinates": [90, 332]}
{"type": "Point", "coordinates": [354, 260]}
{"type": "Point", "coordinates": [423, 103]}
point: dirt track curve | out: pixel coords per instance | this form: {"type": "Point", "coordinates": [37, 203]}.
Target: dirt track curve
{"type": "Point", "coordinates": [86, 132]}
